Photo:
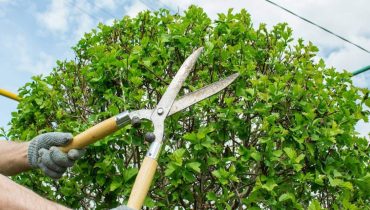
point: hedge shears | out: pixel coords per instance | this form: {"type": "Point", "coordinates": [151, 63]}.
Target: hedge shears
{"type": "Point", "coordinates": [167, 106]}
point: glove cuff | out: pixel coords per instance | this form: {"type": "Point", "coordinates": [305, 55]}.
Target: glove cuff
{"type": "Point", "coordinates": [32, 153]}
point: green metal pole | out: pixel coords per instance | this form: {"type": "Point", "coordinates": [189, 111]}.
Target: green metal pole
{"type": "Point", "coordinates": [361, 70]}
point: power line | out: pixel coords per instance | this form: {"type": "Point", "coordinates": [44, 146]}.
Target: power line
{"type": "Point", "coordinates": [321, 27]}
{"type": "Point", "coordinates": [159, 5]}
{"type": "Point", "coordinates": [147, 5]}
{"type": "Point", "coordinates": [74, 5]}
{"type": "Point", "coordinates": [82, 10]}
{"type": "Point", "coordinates": [163, 5]}
{"type": "Point", "coordinates": [103, 10]}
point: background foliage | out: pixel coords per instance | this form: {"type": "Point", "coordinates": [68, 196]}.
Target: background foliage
{"type": "Point", "coordinates": [281, 137]}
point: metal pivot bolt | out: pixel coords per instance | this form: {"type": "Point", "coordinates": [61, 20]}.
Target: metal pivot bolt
{"type": "Point", "coordinates": [135, 121]}
{"type": "Point", "coordinates": [160, 111]}
{"type": "Point", "coordinates": [149, 137]}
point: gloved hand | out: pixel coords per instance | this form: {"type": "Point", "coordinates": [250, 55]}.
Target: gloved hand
{"type": "Point", "coordinates": [44, 154]}
{"type": "Point", "coordinates": [123, 207]}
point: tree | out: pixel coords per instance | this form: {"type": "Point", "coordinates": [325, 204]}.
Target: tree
{"type": "Point", "coordinates": [281, 137]}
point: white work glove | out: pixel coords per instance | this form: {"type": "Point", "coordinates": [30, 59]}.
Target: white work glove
{"type": "Point", "coordinates": [43, 153]}
{"type": "Point", "coordinates": [123, 207]}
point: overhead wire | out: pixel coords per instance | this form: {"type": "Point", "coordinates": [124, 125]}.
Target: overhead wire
{"type": "Point", "coordinates": [82, 10]}
{"type": "Point", "coordinates": [147, 5]}
{"type": "Point", "coordinates": [321, 27]}
{"type": "Point", "coordinates": [160, 3]}
{"type": "Point", "coordinates": [103, 10]}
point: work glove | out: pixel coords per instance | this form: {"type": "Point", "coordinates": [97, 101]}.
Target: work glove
{"type": "Point", "coordinates": [43, 153]}
{"type": "Point", "coordinates": [123, 207]}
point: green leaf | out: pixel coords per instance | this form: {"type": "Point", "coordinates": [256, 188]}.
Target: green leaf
{"type": "Point", "coordinates": [339, 182]}
{"type": "Point", "coordinates": [297, 167]}
{"type": "Point", "coordinates": [364, 183]}
{"type": "Point", "coordinates": [39, 101]}
{"type": "Point", "coordinates": [287, 196]}
{"type": "Point", "coordinates": [189, 177]}
{"type": "Point", "coordinates": [335, 182]}
{"type": "Point", "coordinates": [136, 81]}
{"type": "Point", "coordinates": [195, 166]}
{"type": "Point", "coordinates": [149, 202]}
{"type": "Point", "coordinates": [116, 183]}
{"type": "Point", "coordinates": [129, 174]}
{"type": "Point", "coordinates": [314, 205]}
{"type": "Point", "coordinates": [67, 190]}
{"type": "Point", "coordinates": [100, 179]}
{"type": "Point", "coordinates": [256, 156]}
{"type": "Point", "coordinates": [177, 156]}
{"type": "Point", "coordinates": [347, 185]}
{"type": "Point", "coordinates": [277, 153]}
{"type": "Point", "coordinates": [192, 137]}
{"type": "Point", "coordinates": [211, 196]}
{"type": "Point", "coordinates": [299, 158]}
{"type": "Point", "coordinates": [222, 175]}
{"type": "Point", "coordinates": [165, 38]}
{"type": "Point", "coordinates": [290, 152]}
{"type": "Point", "coordinates": [202, 132]}
{"type": "Point", "coordinates": [269, 185]}
{"type": "Point", "coordinates": [367, 102]}
{"type": "Point", "coordinates": [319, 179]}
{"type": "Point", "coordinates": [170, 169]}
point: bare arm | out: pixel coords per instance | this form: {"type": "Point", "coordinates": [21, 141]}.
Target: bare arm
{"type": "Point", "coordinates": [13, 157]}
{"type": "Point", "coordinates": [14, 196]}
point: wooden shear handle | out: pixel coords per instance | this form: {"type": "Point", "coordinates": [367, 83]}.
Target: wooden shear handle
{"type": "Point", "coordinates": [98, 131]}
{"type": "Point", "coordinates": [92, 135]}
{"type": "Point", "coordinates": [142, 183]}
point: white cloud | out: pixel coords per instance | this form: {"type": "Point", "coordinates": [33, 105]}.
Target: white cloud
{"type": "Point", "coordinates": [67, 17]}
{"type": "Point", "coordinates": [360, 81]}
{"type": "Point", "coordinates": [363, 129]}
{"type": "Point", "coordinates": [109, 22]}
{"type": "Point", "coordinates": [55, 18]}
{"type": "Point", "coordinates": [348, 58]}
{"type": "Point", "coordinates": [82, 18]}
{"type": "Point", "coordinates": [44, 63]}
{"type": "Point", "coordinates": [106, 4]}
{"type": "Point", "coordinates": [29, 61]}
{"type": "Point", "coordinates": [135, 8]}
{"type": "Point", "coordinates": [84, 26]}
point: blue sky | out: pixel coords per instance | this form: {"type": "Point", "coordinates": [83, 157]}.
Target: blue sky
{"type": "Point", "coordinates": [34, 34]}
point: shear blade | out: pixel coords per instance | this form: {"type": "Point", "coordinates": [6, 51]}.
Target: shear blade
{"type": "Point", "coordinates": [201, 94]}
{"type": "Point", "coordinates": [173, 89]}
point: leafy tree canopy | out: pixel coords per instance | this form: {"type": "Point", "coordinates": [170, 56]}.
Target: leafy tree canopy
{"type": "Point", "coordinates": [281, 137]}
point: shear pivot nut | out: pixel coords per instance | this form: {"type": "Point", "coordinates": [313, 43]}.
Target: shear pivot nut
{"type": "Point", "coordinates": [160, 111]}
{"type": "Point", "coordinates": [149, 137]}
{"type": "Point", "coordinates": [135, 121]}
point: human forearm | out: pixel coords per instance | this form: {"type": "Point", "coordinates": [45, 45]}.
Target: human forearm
{"type": "Point", "coordinates": [13, 157]}
{"type": "Point", "coordinates": [14, 196]}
